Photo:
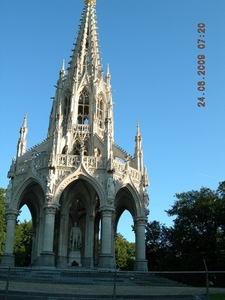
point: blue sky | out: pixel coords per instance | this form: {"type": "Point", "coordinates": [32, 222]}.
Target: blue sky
{"type": "Point", "coordinates": [151, 46]}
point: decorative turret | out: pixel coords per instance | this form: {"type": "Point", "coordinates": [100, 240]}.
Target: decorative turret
{"type": "Point", "coordinates": [22, 142]}
{"type": "Point", "coordinates": [138, 155]}
{"type": "Point", "coordinates": [108, 77]}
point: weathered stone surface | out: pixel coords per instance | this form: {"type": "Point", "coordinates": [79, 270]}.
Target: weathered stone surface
{"type": "Point", "coordinates": [78, 173]}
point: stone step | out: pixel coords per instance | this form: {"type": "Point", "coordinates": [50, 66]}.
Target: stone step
{"type": "Point", "coordinates": [78, 276]}
{"type": "Point", "coordinates": [55, 296]}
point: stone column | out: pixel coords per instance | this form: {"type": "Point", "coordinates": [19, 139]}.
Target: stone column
{"type": "Point", "coordinates": [47, 255]}
{"type": "Point", "coordinates": [39, 240]}
{"type": "Point", "coordinates": [63, 242]}
{"type": "Point", "coordinates": [8, 257]}
{"type": "Point", "coordinates": [89, 240]}
{"type": "Point", "coordinates": [106, 257]}
{"type": "Point", "coordinates": [139, 227]}
{"type": "Point", "coordinates": [96, 242]}
{"type": "Point", "coordinates": [33, 247]}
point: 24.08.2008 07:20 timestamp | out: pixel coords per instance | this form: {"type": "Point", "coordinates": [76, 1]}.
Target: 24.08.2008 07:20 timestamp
{"type": "Point", "coordinates": [201, 64]}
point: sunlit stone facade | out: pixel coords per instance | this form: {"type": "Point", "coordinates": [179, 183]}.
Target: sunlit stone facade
{"type": "Point", "coordinates": [78, 175]}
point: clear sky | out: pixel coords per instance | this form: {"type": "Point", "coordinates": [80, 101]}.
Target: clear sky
{"type": "Point", "coordinates": [152, 49]}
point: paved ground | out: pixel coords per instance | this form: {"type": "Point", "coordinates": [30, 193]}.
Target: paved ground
{"type": "Point", "coordinates": [50, 291]}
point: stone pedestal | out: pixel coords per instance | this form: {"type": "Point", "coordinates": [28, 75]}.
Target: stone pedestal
{"type": "Point", "coordinates": [74, 259]}
{"type": "Point", "coordinates": [47, 259]}
{"type": "Point", "coordinates": [62, 261]}
{"type": "Point", "coordinates": [141, 265]}
{"type": "Point", "coordinates": [7, 260]}
{"type": "Point", "coordinates": [106, 261]}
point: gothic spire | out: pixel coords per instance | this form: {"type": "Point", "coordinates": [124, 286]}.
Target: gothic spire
{"type": "Point", "coordinates": [62, 71]}
{"type": "Point", "coordinates": [85, 57]}
{"type": "Point", "coordinates": [22, 142]}
{"type": "Point", "coordinates": [138, 155]}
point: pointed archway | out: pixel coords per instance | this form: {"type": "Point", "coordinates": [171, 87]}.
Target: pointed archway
{"type": "Point", "coordinates": [79, 204]}
{"type": "Point", "coordinates": [33, 199]}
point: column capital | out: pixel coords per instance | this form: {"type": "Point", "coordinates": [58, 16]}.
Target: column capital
{"type": "Point", "coordinates": [11, 214]}
{"type": "Point", "coordinates": [140, 221]}
{"type": "Point", "coordinates": [51, 209]}
{"type": "Point", "coordinates": [107, 210]}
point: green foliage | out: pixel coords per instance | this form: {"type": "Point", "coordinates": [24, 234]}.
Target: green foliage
{"type": "Point", "coordinates": [157, 246]}
{"type": "Point", "coordinates": [199, 229]}
{"type": "Point", "coordinates": [23, 243]}
{"type": "Point", "coordinates": [125, 253]}
{"type": "Point", "coordinates": [217, 297]}
{"type": "Point", "coordinates": [2, 221]}
{"type": "Point", "coordinates": [198, 233]}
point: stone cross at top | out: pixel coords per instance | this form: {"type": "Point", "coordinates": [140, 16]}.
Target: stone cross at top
{"type": "Point", "coordinates": [93, 2]}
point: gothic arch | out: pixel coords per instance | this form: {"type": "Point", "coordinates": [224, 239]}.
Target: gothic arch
{"type": "Point", "coordinates": [22, 189]}
{"type": "Point", "coordinates": [134, 195]}
{"type": "Point", "coordinates": [31, 193]}
{"type": "Point", "coordinates": [77, 189]}
{"type": "Point", "coordinates": [79, 175]}
{"type": "Point", "coordinates": [83, 106]}
{"type": "Point", "coordinates": [78, 203]}
{"type": "Point", "coordinates": [127, 199]}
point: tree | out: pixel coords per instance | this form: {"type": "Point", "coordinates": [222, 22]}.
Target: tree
{"type": "Point", "coordinates": [125, 253]}
{"type": "Point", "coordinates": [199, 229]}
{"type": "Point", "coordinates": [23, 243]}
{"type": "Point", "coordinates": [158, 246]}
{"type": "Point", "coordinates": [2, 221]}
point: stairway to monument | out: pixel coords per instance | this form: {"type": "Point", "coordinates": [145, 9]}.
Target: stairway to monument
{"type": "Point", "coordinates": [74, 283]}
{"type": "Point", "coordinates": [84, 276]}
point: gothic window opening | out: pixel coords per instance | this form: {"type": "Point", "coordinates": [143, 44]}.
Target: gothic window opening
{"type": "Point", "coordinates": [66, 111]}
{"type": "Point", "coordinates": [65, 149]}
{"type": "Point", "coordinates": [100, 111]}
{"type": "Point", "coordinates": [83, 108]}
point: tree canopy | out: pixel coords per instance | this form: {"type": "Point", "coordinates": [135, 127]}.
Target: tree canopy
{"type": "Point", "coordinates": [198, 233]}
{"type": "Point", "coordinates": [125, 253]}
{"type": "Point", "coordinates": [23, 243]}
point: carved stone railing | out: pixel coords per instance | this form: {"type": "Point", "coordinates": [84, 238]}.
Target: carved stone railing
{"type": "Point", "coordinates": [135, 174]}
{"type": "Point", "coordinates": [120, 169]}
{"type": "Point", "coordinates": [93, 162]}
{"type": "Point", "coordinates": [81, 127]}
{"type": "Point", "coordinates": [73, 161]}
{"type": "Point", "coordinates": [64, 160]}
{"type": "Point", "coordinates": [38, 161]}
{"type": "Point", "coordinates": [90, 162]}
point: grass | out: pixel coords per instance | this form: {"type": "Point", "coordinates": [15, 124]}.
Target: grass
{"type": "Point", "coordinates": [217, 297]}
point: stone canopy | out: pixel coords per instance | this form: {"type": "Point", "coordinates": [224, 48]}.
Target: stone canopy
{"type": "Point", "coordinates": [78, 174]}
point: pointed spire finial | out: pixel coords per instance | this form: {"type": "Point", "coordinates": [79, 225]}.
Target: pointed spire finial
{"type": "Point", "coordinates": [63, 65]}
{"type": "Point", "coordinates": [22, 142]}
{"type": "Point", "coordinates": [62, 71]}
{"type": "Point", "coordinates": [92, 2]}
{"type": "Point", "coordinates": [25, 120]}
{"type": "Point", "coordinates": [107, 72]}
{"type": "Point", "coordinates": [138, 128]}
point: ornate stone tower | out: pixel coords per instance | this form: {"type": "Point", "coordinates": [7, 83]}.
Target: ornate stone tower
{"type": "Point", "coordinates": [78, 182]}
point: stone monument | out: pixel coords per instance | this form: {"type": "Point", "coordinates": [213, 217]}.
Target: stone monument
{"type": "Point", "coordinates": [78, 174]}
